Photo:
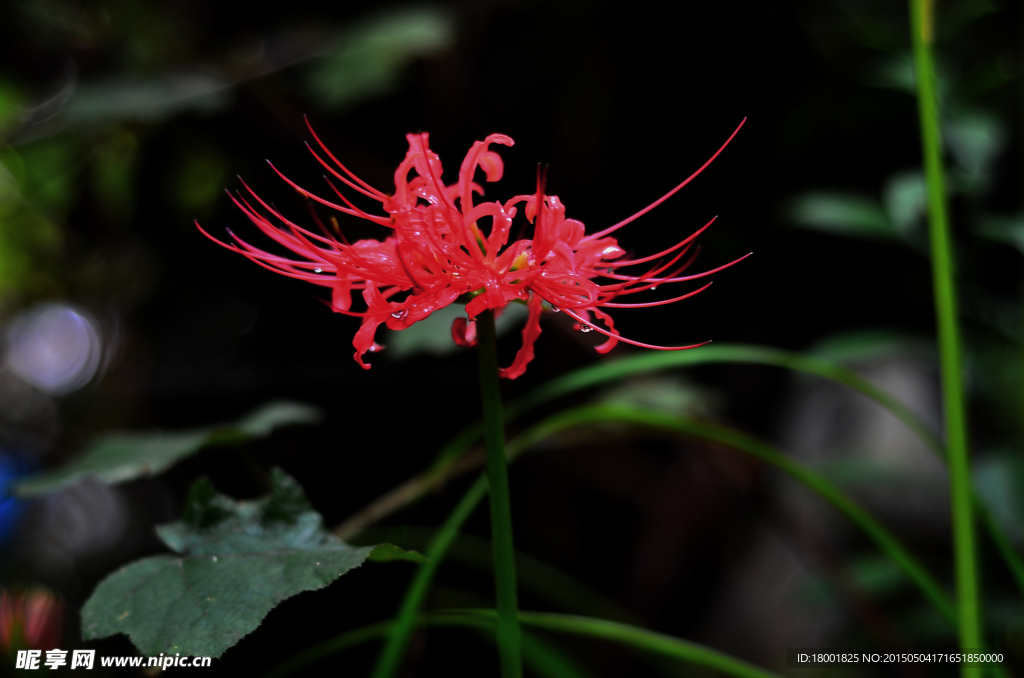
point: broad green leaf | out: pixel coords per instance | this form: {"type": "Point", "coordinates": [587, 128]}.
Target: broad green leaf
{"type": "Point", "coordinates": [236, 560]}
{"type": "Point", "coordinates": [118, 457]}
{"type": "Point", "coordinates": [842, 214]}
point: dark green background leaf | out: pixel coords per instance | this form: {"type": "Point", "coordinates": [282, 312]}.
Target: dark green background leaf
{"type": "Point", "coordinates": [121, 456]}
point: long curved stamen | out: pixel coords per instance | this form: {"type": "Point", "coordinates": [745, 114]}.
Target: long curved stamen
{"type": "Point", "coordinates": [668, 251]}
{"type": "Point", "coordinates": [313, 196]}
{"type": "Point", "coordinates": [656, 303]}
{"type": "Point", "coordinates": [348, 202]}
{"type": "Point", "coordinates": [646, 277]}
{"type": "Point", "coordinates": [703, 274]}
{"type": "Point", "coordinates": [380, 195]}
{"type": "Point", "coordinates": [630, 341]}
{"type": "Point", "coordinates": [348, 183]}
{"type": "Point", "coordinates": [668, 195]}
{"type": "Point", "coordinates": [660, 281]}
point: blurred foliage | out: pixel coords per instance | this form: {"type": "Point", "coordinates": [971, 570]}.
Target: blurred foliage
{"type": "Point", "coordinates": [978, 123]}
{"type": "Point", "coordinates": [121, 121]}
{"type": "Point", "coordinates": [117, 457]}
{"type": "Point", "coordinates": [667, 394]}
{"type": "Point", "coordinates": [370, 56]}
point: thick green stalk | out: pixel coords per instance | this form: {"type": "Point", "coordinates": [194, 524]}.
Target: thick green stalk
{"type": "Point", "coordinates": [968, 613]}
{"type": "Point", "coordinates": [501, 511]}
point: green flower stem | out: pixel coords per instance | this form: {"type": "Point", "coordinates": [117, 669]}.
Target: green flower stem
{"type": "Point", "coordinates": [501, 511]}
{"type": "Point", "coordinates": [631, 636]}
{"type": "Point", "coordinates": [968, 613]}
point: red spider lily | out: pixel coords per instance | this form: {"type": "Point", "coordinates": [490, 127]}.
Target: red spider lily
{"type": "Point", "coordinates": [438, 253]}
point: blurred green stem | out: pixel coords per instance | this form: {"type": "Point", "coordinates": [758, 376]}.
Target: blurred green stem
{"type": "Point", "coordinates": [501, 512]}
{"type": "Point", "coordinates": [968, 614]}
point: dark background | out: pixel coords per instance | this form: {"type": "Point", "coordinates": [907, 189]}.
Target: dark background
{"type": "Point", "coordinates": [622, 101]}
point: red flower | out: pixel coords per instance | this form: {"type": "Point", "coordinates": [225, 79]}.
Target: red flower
{"type": "Point", "coordinates": [437, 252]}
{"type": "Point", "coordinates": [32, 620]}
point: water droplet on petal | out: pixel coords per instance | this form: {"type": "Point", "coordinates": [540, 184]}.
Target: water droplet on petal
{"type": "Point", "coordinates": [318, 270]}
{"type": "Point", "coordinates": [586, 328]}
{"type": "Point", "coordinates": [654, 287]}
{"type": "Point", "coordinates": [400, 314]}
{"type": "Point", "coordinates": [555, 309]}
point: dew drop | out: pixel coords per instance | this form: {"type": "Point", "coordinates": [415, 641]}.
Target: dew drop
{"type": "Point", "coordinates": [555, 309]}
{"type": "Point", "coordinates": [318, 270]}
{"type": "Point", "coordinates": [654, 287]}
{"type": "Point", "coordinates": [586, 328]}
{"type": "Point", "coordinates": [400, 314]}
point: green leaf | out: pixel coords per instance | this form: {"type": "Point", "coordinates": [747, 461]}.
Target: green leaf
{"type": "Point", "coordinates": [870, 344]}
{"type": "Point", "coordinates": [670, 394]}
{"type": "Point", "coordinates": [132, 98]}
{"type": "Point", "coordinates": [118, 457]}
{"type": "Point", "coordinates": [368, 61]}
{"type": "Point", "coordinates": [976, 139]}
{"type": "Point", "coordinates": [386, 553]}
{"type": "Point", "coordinates": [1008, 230]}
{"type": "Point", "coordinates": [236, 561]}
{"type": "Point", "coordinates": [906, 200]}
{"type": "Point", "coordinates": [841, 214]}
{"type": "Point", "coordinates": [999, 478]}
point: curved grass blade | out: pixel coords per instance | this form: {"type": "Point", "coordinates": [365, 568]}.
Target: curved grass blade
{"type": "Point", "coordinates": [641, 639]}
{"type": "Point", "coordinates": [412, 603]}
{"type": "Point", "coordinates": [603, 373]}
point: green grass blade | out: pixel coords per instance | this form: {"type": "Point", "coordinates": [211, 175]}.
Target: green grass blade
{"type": "Point", "coordinates": [889, 544]}
{"type": "Point", "coordinates": [416, 593]}
{"type": "Point", "coordinates": [632, 636]}
{"type": "Point", "coordinates": [550, 584]}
